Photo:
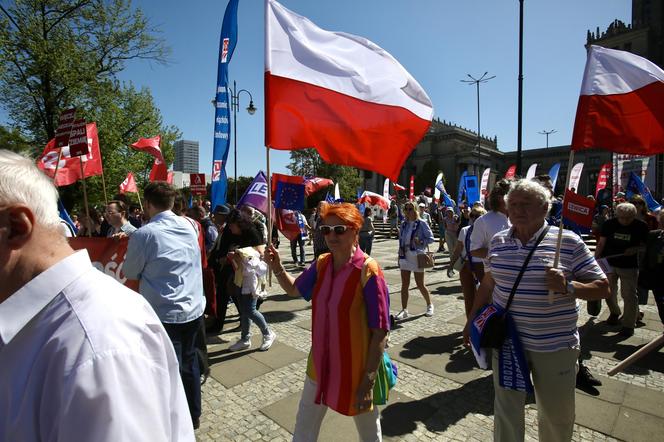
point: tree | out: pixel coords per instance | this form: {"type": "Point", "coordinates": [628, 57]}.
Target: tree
{"type": "Point", "coordinates": [308, 162]}
{"type": "Point", "coordinates": [58, 54]}
{"type": "Point", "coordinates": [12, 139]}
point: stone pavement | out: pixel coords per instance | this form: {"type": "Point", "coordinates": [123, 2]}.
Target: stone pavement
{"type": "Point", "coordinates": [440, 394]}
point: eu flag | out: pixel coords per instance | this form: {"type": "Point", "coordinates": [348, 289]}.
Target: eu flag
{"type": "Point", "coordinates": [289, 196]}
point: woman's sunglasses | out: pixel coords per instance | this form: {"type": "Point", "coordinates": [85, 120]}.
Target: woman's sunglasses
{"type": "Point", "coordinates": [338, 229]}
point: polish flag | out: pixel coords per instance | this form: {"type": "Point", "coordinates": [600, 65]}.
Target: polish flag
{"type": "Point", "coordinates": [621, 107]}
{"type": "Point", "coordinates": [373, 199]}
{"type": "Point", "coordinates": [340, 94]}
{"type": "Point", "coordinates": [399, 187]}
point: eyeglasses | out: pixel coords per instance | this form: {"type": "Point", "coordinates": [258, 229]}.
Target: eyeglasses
{"type": "Point", "coordinates": [338, 229]}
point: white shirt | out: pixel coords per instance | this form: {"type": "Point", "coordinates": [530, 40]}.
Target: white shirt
{"type": "Point", "coordinates": [486, 226]}
{"type": "Point", "coordinates": [86, 359]}
{"type": "Point", "coordinates": [462, 239]}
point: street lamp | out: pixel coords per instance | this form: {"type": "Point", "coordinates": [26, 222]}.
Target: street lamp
{"type": "Point", "coordinates": [235, 105]}
{"type": "Point", "coordinates": [547, 133]}
{"type": "Point", "coordinates": [476, 82]}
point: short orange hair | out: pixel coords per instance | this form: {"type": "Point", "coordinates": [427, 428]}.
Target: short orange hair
{"type": "Point", "coordinates": [347, 212]}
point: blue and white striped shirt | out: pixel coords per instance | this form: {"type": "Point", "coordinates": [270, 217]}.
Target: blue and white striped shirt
{"type": "Point", "coordinates": [542, 326]}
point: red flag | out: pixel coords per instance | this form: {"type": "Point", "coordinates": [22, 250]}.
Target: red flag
{"type": "Point", "coordinates": [373, 199]}
{"type": "Point", "coordinates": [603, 177]}
{"type": "Point", "coordinates": [398, 187]}
{"type": "Point", "coordinates": [286, 222]}
{"type": "Point", "coordinates": [129, 184]}
{"type": "Point", "coordinates": [621, 107]}
{"type": "Point", "coordinates": [510, 172]}
{"type": "Point", "coordinates": [278, 177]}
{"type": "Point", "coordinates": [578, 209]}
{"type": "Point", "coordinates": [69, 170]}
{"type": "Point", "coordinates": [411, 195]}
{"type": "Point", "coordinates": [314, 184]}
{"type": "Point", "coordinates": [159, 170]}
{"type": "Point", "coordinates": [341, 94]}
{"type": "Point", "coordinates": [169, 177]}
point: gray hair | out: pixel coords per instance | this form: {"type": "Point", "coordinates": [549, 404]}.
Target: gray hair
{"type": "Point", "coordinates": [534, 189]}
{"type": "Point", "coordinates": [626, 210]}
{"type": "Point", "coordinates": [21, 182]}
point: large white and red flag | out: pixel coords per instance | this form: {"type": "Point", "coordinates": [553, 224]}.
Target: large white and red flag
{"type": "Point", "coordinates": [603, 178]}
{"type": "Point", "coordinates": [621, 107]}
{"type": "Point", "coordinates": [159, 170]}
{"type": "Point", "coordinates": [69, 169]}
{"type": "Point", "coordinates": [373, 199]}
{"type": "Point", "coordinates": [129, 184]}
{"type": "Point", "coordinates": [340, 94]}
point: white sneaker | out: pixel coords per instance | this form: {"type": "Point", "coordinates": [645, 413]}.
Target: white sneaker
{"type": "Point", "coordinates": [403, 314]}
{"type": "Point", "coordinates": [429, 311]}
{"type": "Point", "coordinates": [268, 340]}
{"type": "Point", "coordinates": [241, 344]}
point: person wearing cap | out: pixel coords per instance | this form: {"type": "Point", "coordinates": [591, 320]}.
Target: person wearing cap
{"type": "Point", "coordinates": [424, 215]}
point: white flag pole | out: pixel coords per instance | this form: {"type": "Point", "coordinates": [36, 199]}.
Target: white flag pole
{"type": "Point", "coordinates": [559, 244]}
{"type": "Point", "coordinates": [269, 209]}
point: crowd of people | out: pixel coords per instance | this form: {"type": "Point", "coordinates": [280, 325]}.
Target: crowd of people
{"type": "Point", "coordinates": [99, 343]}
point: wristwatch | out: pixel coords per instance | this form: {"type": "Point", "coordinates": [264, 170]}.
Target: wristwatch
{"type": "Point", "coordinates": [570, 288]}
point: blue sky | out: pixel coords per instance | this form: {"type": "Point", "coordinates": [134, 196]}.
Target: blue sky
{"type": "Point", "coordinates": [437, 41]}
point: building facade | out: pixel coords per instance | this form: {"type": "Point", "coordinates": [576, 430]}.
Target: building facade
{"type": "Point", "coordinates": [186, 156]}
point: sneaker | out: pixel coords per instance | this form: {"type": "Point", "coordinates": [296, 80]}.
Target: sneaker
{"type": "Point", "coordinates": [450, 272]}
{"type": "Point", "coordinates": [626, 332]}
{"type": "Point", "coordinates": [585, 379]}
{"type": "Point", "coordinates": [268, 340]}
{"type": "Point", "coordinates": [429, 311]}
{"type": "Point", "coordinates": [241, 344]}
{"type": "Point", "coordinates": [403, 314]}
{"type": "Point", "coordinates": [613, 319]}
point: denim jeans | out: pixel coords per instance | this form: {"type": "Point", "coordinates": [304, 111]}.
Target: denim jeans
{"type": "Point", "coordinates": [249, 312]}
{"type": "Point", "coordinates": [366, 241]}
{"type": "Point", "coordinates": [183, 337]}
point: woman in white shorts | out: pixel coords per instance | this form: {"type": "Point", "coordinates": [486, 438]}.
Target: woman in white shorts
{"type": "Point", "coordinates": [414, 237]}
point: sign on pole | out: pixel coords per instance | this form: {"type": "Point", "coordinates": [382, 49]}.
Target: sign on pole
{"type": "Point", "coordinates": [64, 127]}
{"type": "Point", "coordinates": [197, 184]}
{"type": "Point", "coordinates": [78, 139]}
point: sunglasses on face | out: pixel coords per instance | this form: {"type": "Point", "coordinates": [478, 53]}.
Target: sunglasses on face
{"type": "Point", "coordinates": [338, 229]}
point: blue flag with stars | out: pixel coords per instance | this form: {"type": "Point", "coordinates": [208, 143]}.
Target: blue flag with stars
{"type": "Point", "coordinates": [289, 196]}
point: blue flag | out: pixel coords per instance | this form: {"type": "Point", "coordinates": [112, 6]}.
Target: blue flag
{"type": "Point", "coordinates": [553, 173]}
{"type": "Point", "coordinates": [222, 127]}
{"type": "Point", "coordinates": [462, 186]}
{"type": "Point", "coordinates": [289, 196]}
{"type": "Point", "coordinates": [360, 207]}
{"type": "Point", "coordinates": [636, 185]}
{"type": "Point", "coordinates": [64, 215]}
{"type": "Point", "coordinates": [329, 198]}
{"type": "Point", "coordinates": [472, 190]}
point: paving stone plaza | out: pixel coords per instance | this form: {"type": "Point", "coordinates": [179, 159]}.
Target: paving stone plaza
{"type": "Point", "coordinates": [440, 394]}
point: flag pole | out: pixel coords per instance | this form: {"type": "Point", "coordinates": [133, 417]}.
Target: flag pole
{"type": "Point", "coordinates": [85, 197]}
{"type": "Point", "coordinates": [559, 243]}
{"type": "Point", "coordinates": [269, 209]}
{"type": "Point", "coordinates": [138, 194]}
{"type": "Point", "coordinates": [57, 166]}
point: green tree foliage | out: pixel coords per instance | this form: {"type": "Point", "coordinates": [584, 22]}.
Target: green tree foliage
{"type": "Point", "coordinates": [12, 139]}
{"type": "Point", "coordinates": [58, 54]}
{"type": "Point", "coordinates": [308, 162]}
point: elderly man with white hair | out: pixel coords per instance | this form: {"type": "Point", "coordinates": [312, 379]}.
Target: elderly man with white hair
{"type": "Point", "coordinates": [83, 357]}
{"type": "Point", "coordinates": [619, 242]}
{"type": "Point", "coordinates": [541, 347]}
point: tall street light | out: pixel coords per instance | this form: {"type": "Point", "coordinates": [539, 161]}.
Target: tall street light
{"type": "Point", "coordinates": [476, 82]}
{"type": "Point", "coordinates": [235, 105]}
{"type": "Point", "coordinates": [547, 133]}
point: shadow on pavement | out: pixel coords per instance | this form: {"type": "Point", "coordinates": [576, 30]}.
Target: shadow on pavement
{"type": "Point", "coordinates": [278, 316]}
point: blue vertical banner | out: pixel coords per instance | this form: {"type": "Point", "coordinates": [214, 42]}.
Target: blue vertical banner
{"type": "Point", "coordinates": [222, 115]}
{"type": "Point", "coordinates": [472, 189]}
{"type": "Point", "coordinates": [462, 187]}
{"type": "Point", "coordinates": [553, 173]}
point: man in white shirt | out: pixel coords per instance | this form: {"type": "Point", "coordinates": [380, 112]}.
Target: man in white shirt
{"type": "Point", "coordinates": [83, 357]}
{"type": "Point", "coordinates": [490, 223]}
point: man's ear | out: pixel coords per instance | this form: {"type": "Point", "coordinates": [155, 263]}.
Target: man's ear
{"type": "Point", "coordinates": [21, 222]}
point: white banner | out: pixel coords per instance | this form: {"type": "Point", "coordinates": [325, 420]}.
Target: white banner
{"type": "Point", "coordinates": [531, 171]}
{"type": "Point", "coordinates": [436, 190]}
{"type": "Point", "coordinates": [623, 165]}
{"type": "Point", "coordinates": [575, 177]}
{"type": "Point", "coordinates": [484, 185]}
{"type": "Point", "coordinates": [337, 195]}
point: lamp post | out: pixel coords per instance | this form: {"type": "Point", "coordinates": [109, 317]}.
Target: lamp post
{"type": "Point", "coordinates": [235, 105]}
{"type": "Point", "coordinates": [476, 82]}
{"type": "Point", "coordinates": [547, 133]}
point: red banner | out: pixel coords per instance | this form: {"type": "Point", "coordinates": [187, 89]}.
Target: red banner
{"type": "Point", "coordinates": [197, 183]}
{"type": "Point", "coordinates": [578, 209]}
{"type": "Point", "coordinates": [411, 195]}
{"type": "Point", "coordinates": [286, 222]}
{"type": "Point", "coordinates": [107, 255]}
{"type": "Point", "coordinates": [69, 169]}
{"type": "Point", "coordinates": [510, 172]}
{"type": "Point", "coordinates": [129, 184]}
{"type": "Point", "coordinates": [603, 177]}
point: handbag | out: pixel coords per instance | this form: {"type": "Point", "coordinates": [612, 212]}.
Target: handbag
{"type": "Point", "coordinates": [425, 260]}
{"type": "Point", "coordinates": [495, 328]}
{"type": "Point", "coordinates": [386, 379]}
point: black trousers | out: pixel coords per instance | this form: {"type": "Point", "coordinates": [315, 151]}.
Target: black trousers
{"type": "Point", "coordinates": [183, 337]}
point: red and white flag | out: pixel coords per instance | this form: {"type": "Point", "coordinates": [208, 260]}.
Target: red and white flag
{"type": "Point", "coordinates": [603, 177]}
{"type": "Point", "coordinates": [575, 177]}
{"type": "Point", "coordinates": [159, 170]}
{"type": "Point", "coordinates": [314, 184]}
{"type": "Point", "coordinates": [373, 199]}
{"type": "Point", "coordinates": [69, 169]}
{"type": "Point", "coordinates": [411, 192]}
{"type": "Point", "coordinates": [129, 184]}
{"type": "Point", "coordinates": [511, 171]}
{"type": "Point", "coordinates": [340, 94]}
{"type": "Point", "coordinates": [621, 107]}
{"type": "Point", "coordinates": [398, 187]}
{"type": "Point", "coordinates": [578, 209]}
